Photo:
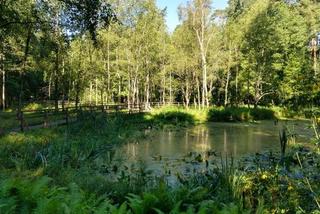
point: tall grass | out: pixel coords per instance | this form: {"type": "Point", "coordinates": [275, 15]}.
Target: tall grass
{"type": "Point", "coordinates": [177, 116]}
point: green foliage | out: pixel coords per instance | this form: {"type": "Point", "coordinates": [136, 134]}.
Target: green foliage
{"type": "Point", "coordinates": [33, 106]}
{"type": "Point", "coordinates": [177, 116]}
{"type": "Point", "coordinates": [239, 114]}
{"type": "Point", "coordinates": [39, 196]}
{"type": "Point", "coordinates": [121, 52]}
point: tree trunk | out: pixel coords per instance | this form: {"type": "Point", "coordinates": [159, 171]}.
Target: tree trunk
{"type": "Point", "coordinates": [49, 87]}
{"type": "Point", "coordinates": [237, 87]}
{"type": "Point", "coordinates": [147, 101]}
{"type": "Point", "coordinates": [96, 88]}
{"type": "Point", "coordinates": [314, 55]}
{"type": "Point", "coordinates": [137, 91]}
{"type": "Point", "coordinates": [108, 71]}
{"type": "Point", "coordinates": [203, 42]}
{"type": "Point", "coordinates": [164, 90]}
{"type": "Point", "coordinates": [170, 88]}
{"type": "Point", "coordinates": [129, 92]}
{"type": "Point", "coordinates": [237, 78]}
{"type": "Point", "coordinates": [56, 80]}
{"type": "Point", "coordinates": [78, 89]}
{"type": "Point", "coordinates": [163, 85]}
{"type": "Point", "coordinates": [226, 90]}
{"type": "Point", "coordinates": [205, 101]}
{"type": "Point", "coordinates": [199, 94]}
{"type": "Point", "coordinates": [24, 67]}
{"type": "Point", "coordinates": [3, 82]}
{"type": "Point", "coordinates": [248, 88]}
{"type": "Point", "coordinates": [3, 89]}
{"type": "Point", "coordinates": [187, 95]}
{"type": "Point", "coordinates": [64, 88]}
{"type": "Point", "coordinates": [119, 90]}
{"type": "Point", "coordinates": [90, 93]}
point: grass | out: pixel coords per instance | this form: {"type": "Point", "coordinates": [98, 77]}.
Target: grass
{"type": "Point", "coordinates": [177, 116]}
{"type": "Point", "coordinates": [181, 116]}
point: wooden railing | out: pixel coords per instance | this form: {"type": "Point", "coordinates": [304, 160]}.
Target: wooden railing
{"type": "Point", "coordinates": [31, 119]}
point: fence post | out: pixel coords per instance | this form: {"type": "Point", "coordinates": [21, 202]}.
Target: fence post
{"type": "Point", "coordinates": [45, 124]}
{"type": "Point", "coordinates": [67, 115]}
{"type": "Point", "coordinates": [21, 121]}
{"type": "Point", "coordinates": [79, 112]}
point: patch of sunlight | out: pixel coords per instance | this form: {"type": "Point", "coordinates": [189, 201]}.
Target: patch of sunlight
{"type": "Point", "coordinates": [42, 137]}
{"type": "Point", "coordinates": [38, 172]}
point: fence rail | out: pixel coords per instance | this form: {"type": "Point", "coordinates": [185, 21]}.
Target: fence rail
{"type": "Point", "coordinates": [32, 119]}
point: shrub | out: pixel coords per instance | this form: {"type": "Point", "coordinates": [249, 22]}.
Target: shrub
{"type": "Point", "coordinates": [33, 106]}
{"type": "Point", "coordinates": [177, 116]}
{"type": "Point", "coordinates": [233, 114]}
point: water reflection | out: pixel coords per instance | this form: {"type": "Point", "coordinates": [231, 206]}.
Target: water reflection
{"type": "Point", "coordinates": [171, 147]}
{"type": "Point", "coordinates": [226, 138]}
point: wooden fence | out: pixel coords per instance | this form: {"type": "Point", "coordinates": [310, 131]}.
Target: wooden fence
{"type": "Point", "coordinates": [32, 119]}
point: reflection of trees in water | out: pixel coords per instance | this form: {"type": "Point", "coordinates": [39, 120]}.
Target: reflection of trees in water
{"type": "Point", "coordinates": [202, 143]}
{"type": "Point", "coordinates": [225, 143]}
{"type": "Point", "coordinates": [131, 150]}
{"type": "Point", "coordinates": [230, 139]}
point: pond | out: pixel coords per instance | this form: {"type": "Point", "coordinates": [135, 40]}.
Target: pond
{"type": "Point", "coordinates": [189, 148]}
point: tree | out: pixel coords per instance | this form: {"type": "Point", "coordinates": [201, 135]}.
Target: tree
{"type": "Point", "coordinates": [199, 15]}
{"type": "Point", "coordinates": [88, 15]}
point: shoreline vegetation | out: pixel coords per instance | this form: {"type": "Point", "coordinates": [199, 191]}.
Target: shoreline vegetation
{"type": "Point", "coordinates": [67, 170]}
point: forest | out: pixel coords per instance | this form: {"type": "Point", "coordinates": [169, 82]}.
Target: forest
{"type": "Point", "coordinates": [95, 52]}
{"type": "Point", "coordinates": [104, 109]}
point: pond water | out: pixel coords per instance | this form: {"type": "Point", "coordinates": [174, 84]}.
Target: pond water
{"type": "Point", "coordinates": [189, 146]}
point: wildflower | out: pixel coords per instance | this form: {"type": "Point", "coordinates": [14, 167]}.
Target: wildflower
{"type": "Point", "coordinates": [264, 176]}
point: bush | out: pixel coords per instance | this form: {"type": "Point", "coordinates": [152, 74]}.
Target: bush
{"type": "Point", "coordinates": [33, 107]}
{"type": "Point", "coordinates": [233, 114]}
{"type": "Point", "coordinates": [177, 116]}
{"type": "Point", "coordinates": [174, 117]}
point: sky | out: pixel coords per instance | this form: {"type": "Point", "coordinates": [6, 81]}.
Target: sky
{"type": "Point", "coordinates": [172, 6]}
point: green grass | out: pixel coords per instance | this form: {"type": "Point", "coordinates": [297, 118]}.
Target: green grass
{"type": "Point", "coordinates": [177, 116]}
{"type": "Point", "coordinates": [181, 116]}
